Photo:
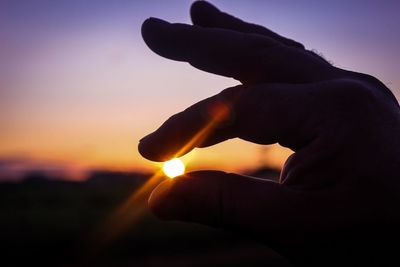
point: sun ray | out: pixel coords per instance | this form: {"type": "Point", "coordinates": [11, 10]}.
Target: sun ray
{"type": "Point", "coordinates": [131, 210]}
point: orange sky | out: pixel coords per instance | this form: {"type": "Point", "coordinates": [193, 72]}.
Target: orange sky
{"type": "Point", "coordinates": [79, 88]}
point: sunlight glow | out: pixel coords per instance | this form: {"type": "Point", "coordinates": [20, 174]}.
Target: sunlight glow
{"type": "Point", "coordinates": [129, 212]}
{"type": "Point", "coordinates": [173, 168]}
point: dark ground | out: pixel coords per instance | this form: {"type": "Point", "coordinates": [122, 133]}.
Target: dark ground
{"type": "Point", "coordinates": [49, 222]}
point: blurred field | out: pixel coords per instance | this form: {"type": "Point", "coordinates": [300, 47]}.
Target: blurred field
{"type": "Point", "coordinates": [51, 222]}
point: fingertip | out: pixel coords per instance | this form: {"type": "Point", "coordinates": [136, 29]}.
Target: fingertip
{"type": "Point", "coordinates": [165, 205]}
{"type": "Point", "coordinates": [152, 24]}
{"type": "Point", "coordinates": [153, 32]}
{"type": "Point", "coordinates": [201, 12]}
{"type": "Point", "coordinates": [193, 197]}
{"type": "Point", "coordinates": [154, 202]}
{"type": "Point", "coordinates": [202, 8]}
{"type": "Point", "coordinates": [172, 189]}
{"type": "Point", "coordinates": [203, 5]}
{"type": "Point", "coordinates": [150, 151]}
{"type": "Point", "coordinates": [144, 150]}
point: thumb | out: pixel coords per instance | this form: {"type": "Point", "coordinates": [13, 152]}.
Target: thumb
{"type": "Point", "coordinates": [232, 201]}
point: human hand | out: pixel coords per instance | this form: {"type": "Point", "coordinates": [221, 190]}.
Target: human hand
{"type": "Point", "coordinates": [339, 189]}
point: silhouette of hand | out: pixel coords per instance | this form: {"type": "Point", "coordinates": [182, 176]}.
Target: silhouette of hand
{"type": "Point", "coordinates": [339, 189]}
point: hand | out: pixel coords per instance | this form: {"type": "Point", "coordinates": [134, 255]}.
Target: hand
{"type": "Point", "coordinates": [340, 190]}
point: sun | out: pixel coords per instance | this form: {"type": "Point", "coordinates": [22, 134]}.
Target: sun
{"type": "Point", "coordinates": [173, 168]}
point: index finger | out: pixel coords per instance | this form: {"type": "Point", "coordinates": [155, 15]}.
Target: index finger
{"type": "Point", "coordinates": [259, 114]}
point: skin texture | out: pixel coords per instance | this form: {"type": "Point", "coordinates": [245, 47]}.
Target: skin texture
{"type": "Point", "coordinates": [338, 199]}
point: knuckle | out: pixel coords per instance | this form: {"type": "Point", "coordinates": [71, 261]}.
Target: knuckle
{"type": "Point", "coordinates": [352, 107]}
{"type": "Point", "coordinates": [353, 95]}
{"type": "Point", "coordinates": [360, 94]}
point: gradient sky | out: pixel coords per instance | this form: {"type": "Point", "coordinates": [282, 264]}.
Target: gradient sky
{"type": "Point", "coordinates": [79, 88]}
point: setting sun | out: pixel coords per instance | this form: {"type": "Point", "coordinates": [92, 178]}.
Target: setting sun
{"type": "Point", "coordinates": [173, 168]}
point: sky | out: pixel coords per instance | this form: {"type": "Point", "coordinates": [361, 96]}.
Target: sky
{"type": "Point", "coordinates": [79, 88]}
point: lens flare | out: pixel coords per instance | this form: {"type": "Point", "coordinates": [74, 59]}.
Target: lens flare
{"type": "Point", "coordinates": [173, 168]}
